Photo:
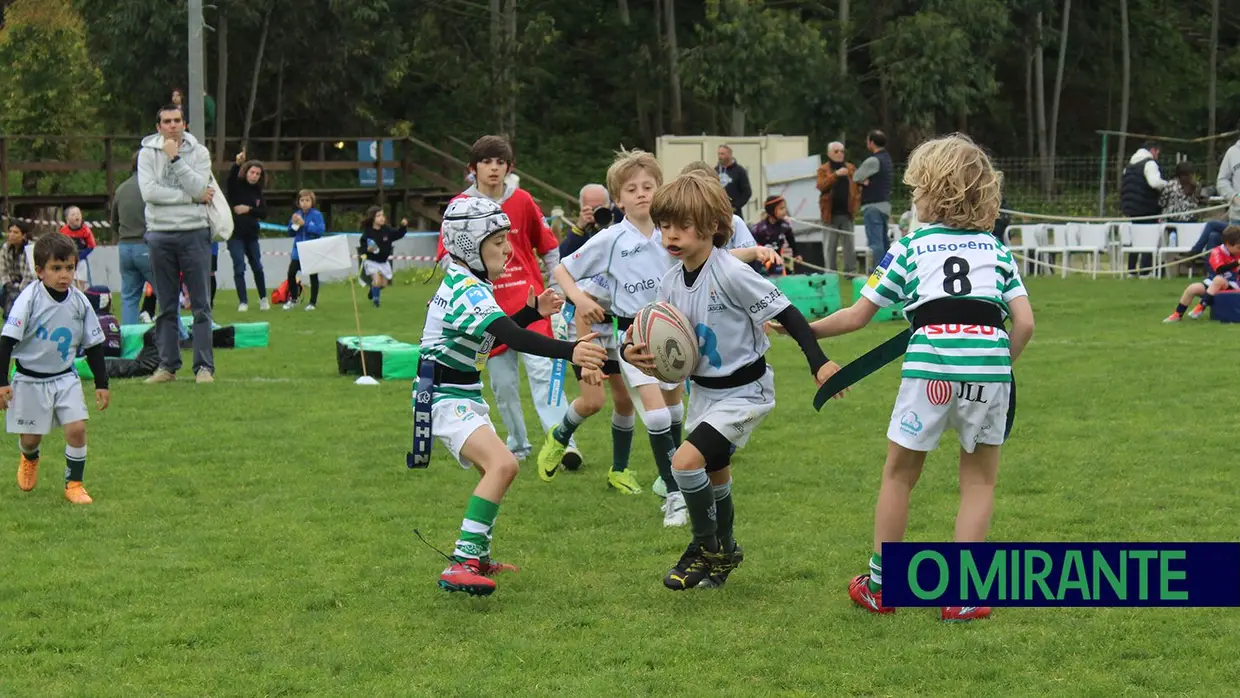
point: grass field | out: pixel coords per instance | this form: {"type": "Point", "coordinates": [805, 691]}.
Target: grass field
{"type": "Point", "coordinates": [255, 536]}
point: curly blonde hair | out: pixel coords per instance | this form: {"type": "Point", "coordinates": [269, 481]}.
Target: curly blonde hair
{"type": "Point", "coordinates": [697, 200]}
{"type": "Point", "coordinates": [954, 183]}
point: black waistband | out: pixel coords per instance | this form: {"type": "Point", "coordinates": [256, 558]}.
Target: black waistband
{"type": "Point", "coordinates": [741, 376]}
{"type": "Point", "coordinates": [957, 311]}
{"type": "Point", "coordinates": [624, 323]}
{"type": "Point", "coordinates": [451, 376]}
{"type": "Point", "coordinates": [35, 374]}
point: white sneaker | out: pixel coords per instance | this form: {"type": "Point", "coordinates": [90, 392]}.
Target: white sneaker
{"type": "Point", "coordinates": [289, 305]}
{"type": "Point", "coordinates": [310, 307]}
{"type": "Point", "coordinates": [659, 488]}
{"type": "Point", "coordinates": [263, 304]}
{"type": "Point", "coordinates": [144, 318]}
{"type": "Point", "coordinates": [675, 512]}
{"type": "Point", "coordinates": [243, 307]}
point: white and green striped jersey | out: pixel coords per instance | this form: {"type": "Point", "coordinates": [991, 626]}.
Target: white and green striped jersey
{"type": "Point", "coordinates": [455, 334]}
{"type": "Point", "coordinates": [937, 262]}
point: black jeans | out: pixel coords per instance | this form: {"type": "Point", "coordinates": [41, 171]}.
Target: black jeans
{"type": "Point", "coordinates": [294, 267]}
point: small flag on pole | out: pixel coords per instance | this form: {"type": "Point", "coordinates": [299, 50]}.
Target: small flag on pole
{"type": "Point", "coordinates": [325, 254]}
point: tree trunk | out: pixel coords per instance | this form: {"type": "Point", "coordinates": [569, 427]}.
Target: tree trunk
{"type": "Point", "coordinates": [497, 62]}
{"type": "Point", "coordinates": [1126, 58]}
{"type": "Point", "coordinates": [738, 121]}
{"type": "Point", "coordinates": [258, 66]}
{"type": "Point", "coordinates": [843, 56]}
{"type": "Point", "coordinates": [660, 92]}
{"type": "Point", "coordinates": [1063, 51]}
{"type": "Point", "coordinates": [1039, 87]}
{"type": "Point", "coordinates": [275, 143]}
{"type": "Point", "coordinates": [624, 12]}
{"type": "Point", "coordinates": [221, 87]}
{"type": "Point", "coordinates": [1029, 142]}
{"type": "Point", "coordinates": [673, 65]}
{"type": "Point", "coordinates": [510, 79]}
{"type": "Point", "coordinates": [1212, 98]}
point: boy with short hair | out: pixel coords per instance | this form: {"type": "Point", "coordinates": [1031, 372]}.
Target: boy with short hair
{"type": "Point", "coordinates": [462, 322]}
{"type": "Point", "coordinates": [491, 161]}
{"type": "Point", "coordinates": [957, 283]}
{"type": "Point", "coordinates": [727, 302]}
{"type": "Point", "coordinates": [50, 321]}
{"type": "Point", "coordinates": [1223, 275]}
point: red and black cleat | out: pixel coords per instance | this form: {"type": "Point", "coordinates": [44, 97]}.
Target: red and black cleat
{"type": "Point", "coordinates": [468, 576]}
{"type": "Point", "coordinates": [872, 601]}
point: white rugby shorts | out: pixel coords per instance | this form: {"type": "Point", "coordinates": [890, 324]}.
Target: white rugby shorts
{"type": "Point", "coordinates": [39, 404]}
{"type": "Point", "coordinates": [733, 412]}
{"type": "Point", "coordinates": [925, 408]}
{"type": "Point", "coordinates": [372, 268]}
{"type": "Point", "coordinates": [454, 420]}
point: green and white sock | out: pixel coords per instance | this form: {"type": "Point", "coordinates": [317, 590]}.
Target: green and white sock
{"type": "Point", "coordinates": [876, 572]}
{"type": "Point", "coordinates": [677, 412]}
{"type": "Point", "coordinates": [700, 500]}
{"type": "Point", "coordinates": [621, 440]}
{"type": "Point", "coordinates": [564, 432]}
{"type": "Point", "coordinates": [475, 540]}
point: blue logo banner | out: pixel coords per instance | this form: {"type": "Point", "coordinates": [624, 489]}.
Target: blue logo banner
{"type": "Point", "coordinates": [1061, 574]}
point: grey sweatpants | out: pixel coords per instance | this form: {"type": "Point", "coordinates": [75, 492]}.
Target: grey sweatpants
{"type": "Point", "coordinates": [176, 256]}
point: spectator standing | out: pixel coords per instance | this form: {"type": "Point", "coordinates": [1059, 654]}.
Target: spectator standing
{"type": "Point", "coordinates": [876, 176]}
{"type": "Point", "coordinates": [249, 208]}
{"type": "Point", "coordinates": [838, 202]}
{"type": "Point", "coordinates": [15, 270]}
{"type": "Point", "coordinates": [174, 174]}
{"type": "Point", "coordinates": [592, 199]}
{"type": "Point", "coordinates": [734, 178]}
{"type": "Point", "coordinates": [128, 218]}
{"type": "Point", "coordinates": [1139, 192]}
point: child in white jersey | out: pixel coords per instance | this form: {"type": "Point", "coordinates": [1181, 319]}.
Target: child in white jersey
{"type": "Point", "coordinates": [591, 383]}
{"type": "Point", "coordinates": [463, 322]}
{"type": "Point", "coordinates": [49, 323]}
{"type": "Point", "coordinates": [957, 282]}
{"type": "Point", "coordinates": [632, 260]}
{"type": "Point", "coordinates": [733, 388]}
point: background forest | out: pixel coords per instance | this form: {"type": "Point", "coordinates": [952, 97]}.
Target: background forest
{"type": "Point", "coordinates": [573, 80]}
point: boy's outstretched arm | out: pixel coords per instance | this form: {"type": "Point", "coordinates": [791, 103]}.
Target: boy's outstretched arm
{"type": "Point", "coordinates": [797, 327]}
{"type": "Point", "coordinates": [840, 322]}
{"type": "Point", "coordinates": [583, 352]}
{"type": "Point", "coordinates": [1021, 313]}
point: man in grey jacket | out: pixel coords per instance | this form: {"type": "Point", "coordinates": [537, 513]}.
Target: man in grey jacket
{"type": "Point", "coordinates": [174, 176]}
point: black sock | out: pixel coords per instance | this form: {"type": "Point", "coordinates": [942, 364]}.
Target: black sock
{"type": "Point", "coordinates": [31, 455]}
{"type": "Point", "coordinates": [663, 446]}
{"type": "Point", "coordinates": [621, 441]}
{"type": "Point", "coordinates": [725, 515]}
{"type": "Point", "coordinates": [700, 500]}
{"type": "Point", "coordinates": [1208, 299]}
{"type": "Point", "coordinates": [75, 463]}
{"type": "Point", "coordinates": [1180, 309]}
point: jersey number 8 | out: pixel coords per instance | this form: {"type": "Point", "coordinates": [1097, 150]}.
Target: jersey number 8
{"type": "Point", "coordinates": [956, 277]}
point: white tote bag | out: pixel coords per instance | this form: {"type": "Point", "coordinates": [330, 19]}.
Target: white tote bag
{"type": "Point", "coordinates": [219, 213]}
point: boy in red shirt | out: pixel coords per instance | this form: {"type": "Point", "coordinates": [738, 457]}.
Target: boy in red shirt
{"type": "Point", "coordinates": [1224, 275]}
{"type": "Point", "coordinates": [490, 162]}
{"type": "Point", "coordinates": [82, 236]}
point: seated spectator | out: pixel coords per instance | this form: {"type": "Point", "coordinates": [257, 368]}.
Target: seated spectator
{"type": "Point", "coordinates": [81, 234]}
{"type": "Point", "coordinates": [1180, 195]}
{"type": "Point", "coordinates": [1223, 275]}
{"type": "Point", "coordinates": [15, 271]}
{"type": "Point", "coordinates": [774, 231]}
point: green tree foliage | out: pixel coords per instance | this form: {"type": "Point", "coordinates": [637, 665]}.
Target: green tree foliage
{"type": "Point", "coordinates": [48, 85]}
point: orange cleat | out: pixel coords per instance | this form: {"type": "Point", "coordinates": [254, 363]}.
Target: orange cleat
{"type": "Point", "coordinates": [468, 576]}
{"type": "Point", "coordinates": [872, 601]}
{"type": "Point", "coordinates": [965, 613]}
{"type": "Point", "coordinates": [27, 473]}
{"type": "Point", "coordinates": [74, 492]}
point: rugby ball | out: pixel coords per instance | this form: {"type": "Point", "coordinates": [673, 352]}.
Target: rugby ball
{"type": "Point", "coordinates": [670, 338]}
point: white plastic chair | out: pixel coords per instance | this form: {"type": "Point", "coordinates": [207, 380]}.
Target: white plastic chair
{"type": "Point", "coordinates": [1186, 234]}
{"type": "Point", "coordinates": [1051, 240]}
{"type": "Point", "coordinates": [1141, 238]}
{"type": "Point", "coordinates": [1027, 247]}
{"type": "Point", "coordinates": [861, 247]}
{"type": "Point", "coordinates": [1089, 239]}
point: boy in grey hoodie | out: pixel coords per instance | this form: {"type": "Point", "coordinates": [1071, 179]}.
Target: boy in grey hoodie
{"type": "Point", "coordinates": [174, 175]}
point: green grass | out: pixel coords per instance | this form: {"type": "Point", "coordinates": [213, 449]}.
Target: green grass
{"type": "Point", "coordinates": [255, 537]}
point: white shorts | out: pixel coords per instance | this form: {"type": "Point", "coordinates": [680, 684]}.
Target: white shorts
{"type": "Point", "coordinates": [372, 268]}
{"type": "Point", "coordinates": [925, 408]}
{"type": "Point", "coordinates": [453, 421]}
{"type": "Point", "coordinates": [733, 412]}
{"type": "Point", "coordinates": [636, 379]}
{"type": "Point", "coordinates": [39, 404]}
